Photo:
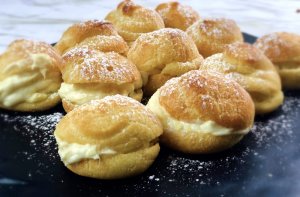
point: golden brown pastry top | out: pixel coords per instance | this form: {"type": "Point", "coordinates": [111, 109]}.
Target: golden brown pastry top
{"type": "Point", "coordinates": [84, 65]}
{"type": "Point", "coordinates": [96, 34]}
{"type": "Point", "coordinates": [132, 20]}
{"type": "Point", "coordinates": [166, 50]}
{"type": "Point", "coordinates": [176, 15]}
{"type": "Point", "coordinates": [248, 66]}
{"type": "Point", "coordinates": [280, 46]}
{"type": "Point", "coordinates": [207, 95]}
{"type": "Point", "coordinates": [244, 59]}
{"type": "Point", "coordinates": [211, 35]}
{"type": "Point", "coordinates": [22, 50]}
{"type": "Point", "coordinates": [245, 54]}
{"type": "Point", "coordinates": [117, 122]}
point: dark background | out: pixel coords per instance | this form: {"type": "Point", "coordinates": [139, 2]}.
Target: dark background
{"type": "Point", "coordinates": [265, 163]}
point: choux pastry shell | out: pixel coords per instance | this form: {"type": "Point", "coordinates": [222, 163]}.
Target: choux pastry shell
{"type": "Point", "coordinates": [111, 138]}
{"type": "Point", "coordinates": [202, 112]}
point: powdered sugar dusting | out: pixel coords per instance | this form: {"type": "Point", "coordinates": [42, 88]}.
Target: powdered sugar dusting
{"type": "Point", "coordinates": [217, 28]}
{"type": "Point", "coordinates": [106, 43]}
{"type": "Point", "coordinates": [272, 45]}
{"type": "Point", "coordinates": [119, 99]}
{"type": "Point", "coordinates": [171, 87]}
{"type": "Point", "coordinates": [130, 20]}
{"type": "Point", "coordinates": [265, 42]}
{"type": "Point", "coordinates": [124, 101]}
{"type": "Point", "coordinates": [222, 96]}
{"type": "Point", "coordinates": [244, 51]}
{"type": "Point", "coordinates": [189, 14]}
{"type": "Point", "coordinates": [217, 64]}
{"type": "Point", "coordinates": [272, 133]}
{"type": "Point", "coordinates": [199, 79]}
{"type": "Point", "coordinates": [24, 49]}
{"type": "Point", "coordinates": [279, 128]}
{"type": "Point", "coordinates": [36, 132]}
{"type": "Point", "coordinates": [28, 47]}
{"type": "Point", "coordinates": [95, 66]}
{"type": "Point", "coordinates": [38, 128]}
{"type": "Point", "coordinates": [78, 51]}
{"type": "Point", "coordinates": [186, 13]}
{"type": "Point", "coordinates": [161, 36]}
{"type": "Point", "coordinates": [247, 161]}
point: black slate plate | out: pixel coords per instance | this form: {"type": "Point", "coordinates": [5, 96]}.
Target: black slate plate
{"type": "Point", "coordinates": [265, 163]}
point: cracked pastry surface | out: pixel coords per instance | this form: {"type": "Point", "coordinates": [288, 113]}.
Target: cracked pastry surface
{"type": "Point", "coordinates": [29, 76]}
{"type": "Point", "coordinates": [132, 20]}
{"type": "Point", "coordinates": [252, 70]}
{"type": "Point", "coordinates": [111, 138]}
{"type": "Point", "coordinates": [95, 34]}
{"type": "Point", "coordinates": [163, 54]}
{"type": "Point", "coordinates": [176, 15]}
{"type": "Point", "coordinates": [91, 74]}
{"type": "Point", "coordinates": [212, 35]}
{"type": "Point", "coordinates": [283, 49]}
{"type": "Point", "coordinates": [202, 112]}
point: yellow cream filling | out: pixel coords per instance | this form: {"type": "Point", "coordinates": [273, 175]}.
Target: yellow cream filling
{"type": "Point", "coordinates": [73, 152]}
{"type": "Point", "coordinates": [171, 124]}
{"type": "Point", "coordinates": [82, 93]}
{"type": "Point", "coordinates": [27, 86]}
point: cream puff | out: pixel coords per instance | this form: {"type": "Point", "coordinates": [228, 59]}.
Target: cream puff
{"type": "Point", "coordinates": [132, 20]}
{"type": "Point", "coordinates": [252, 70]}
{"type": "Point", "coordinates": [90, 74]}
{"type": "Point", "coordinates": [212, 35]}
{"type": "Point", "coordinates": [29, 76]}
{"type": "Point", "coordinates": [111, 138]}
{"type": "Point", "coordinates": [98, 35]}
{"type": "Point", "coordinates": [176, 15]}
{"type": "Point", "coordinates": [283, 49]}
{"type": "Point", "coordinates": [163, 54]}
{"type": "Point", "coordinates": [202, 112]}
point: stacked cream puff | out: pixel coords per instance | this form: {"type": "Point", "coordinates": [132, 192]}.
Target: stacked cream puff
{"type": "Point", "coordinates": [29, 76]}
{"type": "Point", "coordinates": [283, 49]}
{"type": "Point", "coordinates": [202, 112]}
{"type": "Point", "coordinates": [163, 54]}
{"type": "Point", "coordinates": [94, 65]}
{"type": "Point", "coordinates": [111, 138]}
{"type": "Point", "coordinates": [132, 20]}
{"type": "Point", "coordinates": [204, 85]}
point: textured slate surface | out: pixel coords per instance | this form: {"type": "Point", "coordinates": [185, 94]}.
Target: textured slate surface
{"type": "Point", "coordinates": [264, 163]}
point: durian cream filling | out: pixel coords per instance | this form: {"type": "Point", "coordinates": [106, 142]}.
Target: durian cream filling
{"type": "Point", "coordinates": [171, 124]}
{"type": "Point", "coordinates": [72, 152]}
{"type": "Point", "coordinates": [27, 86]}
{"type": "Point", "coordinates": [82, 93]}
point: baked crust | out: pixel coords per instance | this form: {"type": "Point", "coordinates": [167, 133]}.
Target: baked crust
{"type": "Point", "coordinates": [110, 72]}
{"type": "Point", "coordinates": [116, 167]}
{"type": "Point", "coordinates": [98, 35]}
{"type": "Point", "coordinates": [208, 96]}
{"type": "Point", "coordinates": [163, 54]}
{"type": "Point", "coordinates": [117, 122]}
{"type": "Point", "coordinates": [189, 142]}
{"type": "Point", "coordinates": [199, 97]}
{"type": "Point", "coordinates": [132, 20]}
{"type": "Point", "coordinates": [252, 70]}
{"type": "Point", "coordinates": [68, 105]}
{"type": "Point", "coordinates": [83, 65]}
{"type": "Point", "coordinates": [283, 49]}
{"type": "Point", "coordinates": [22, 49]}
{"type": "Point", "coordinates": [176, 15]}
{"type": "Point", "coordinates": [18, 62]}
{"type": "Point", "coordinates": [212, 35]}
